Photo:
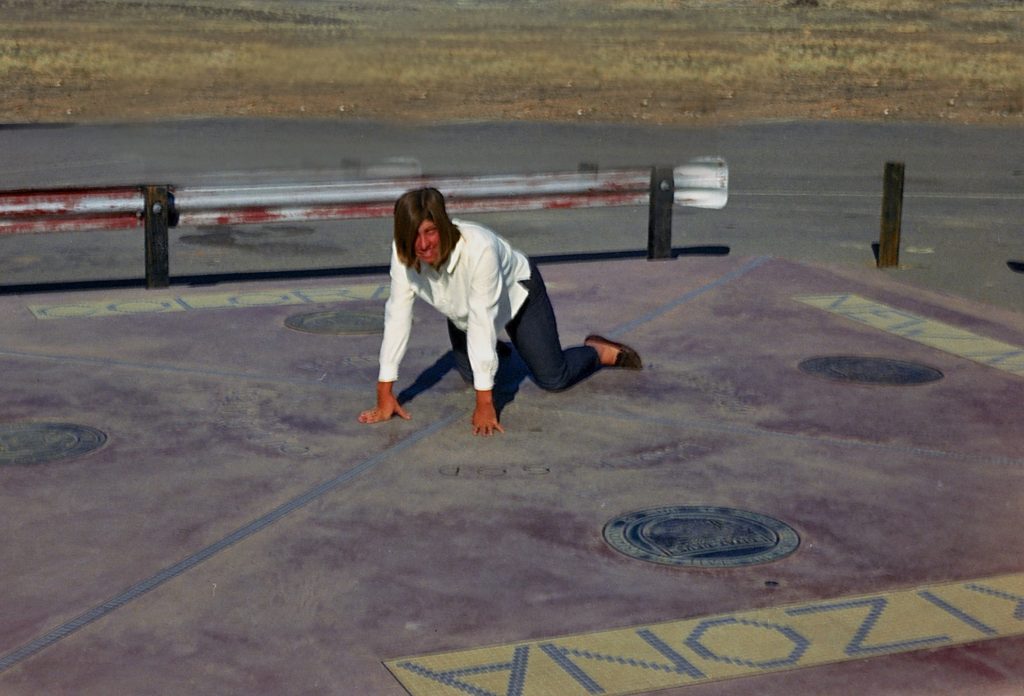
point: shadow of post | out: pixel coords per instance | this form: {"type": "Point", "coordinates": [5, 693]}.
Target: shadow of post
{"type": "Point", "coordinates": [343, 272]}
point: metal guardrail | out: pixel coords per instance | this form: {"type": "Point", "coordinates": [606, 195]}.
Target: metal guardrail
{"type": "Point", "coordinates": [701, 183]}
{"type": "Point", "coordinates": [71, 210]}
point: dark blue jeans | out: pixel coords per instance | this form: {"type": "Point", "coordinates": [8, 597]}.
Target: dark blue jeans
{"type": "Point", "coordinates": [534, 333]}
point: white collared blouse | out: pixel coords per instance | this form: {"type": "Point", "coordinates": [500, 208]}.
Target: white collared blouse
{"type": "Point", "coordinates": [478, 290]}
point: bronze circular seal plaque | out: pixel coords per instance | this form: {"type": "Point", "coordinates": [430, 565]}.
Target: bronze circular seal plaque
{"type": "Point", "coordinates": [337, 322]}
{"type": "Point", "coordinates": [40, 443]}
{"type": "Point", "coordinates": [850, 368]}
{"type": "Point", "coordinates": [705, 537]}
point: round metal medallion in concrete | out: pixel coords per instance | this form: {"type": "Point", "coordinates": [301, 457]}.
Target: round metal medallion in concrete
{"type": "Point", "coordinates": [337, 322]}
{"type": "Point", "coordinates": [40, 443]}
{"type": "Point", "coordinates": [849, 368]}
{"type": "Point", "coordinates": [707, 537]}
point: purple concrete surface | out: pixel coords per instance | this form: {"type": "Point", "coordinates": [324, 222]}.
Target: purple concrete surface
{"type": "Point", "coordinates": [429, 539]}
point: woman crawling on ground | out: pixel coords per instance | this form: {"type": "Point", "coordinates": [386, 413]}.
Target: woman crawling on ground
{"type": "Point", "coordinates": [482, 285]}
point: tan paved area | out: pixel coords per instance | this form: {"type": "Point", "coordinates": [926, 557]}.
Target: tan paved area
{"type": "Point", "coordinates": [238, 532]}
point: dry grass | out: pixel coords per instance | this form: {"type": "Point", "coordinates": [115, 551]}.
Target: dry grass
{"type": "Point", "coordinates": [664, 61]}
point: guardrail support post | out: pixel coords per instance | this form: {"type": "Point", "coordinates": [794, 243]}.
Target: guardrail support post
{"type": "Point", "coordinates": [892, 214]}
{"type": "Point", "coordinates": [157, 216]}
{"type": "Point", "coordinates": [659, 226]}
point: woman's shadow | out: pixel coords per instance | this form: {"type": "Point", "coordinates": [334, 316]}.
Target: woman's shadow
{"type": "Point", "coordinates": [511, 373]}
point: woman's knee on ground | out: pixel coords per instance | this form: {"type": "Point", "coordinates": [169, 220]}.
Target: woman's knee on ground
{"type": "Point", "coordinates": [553, 382]}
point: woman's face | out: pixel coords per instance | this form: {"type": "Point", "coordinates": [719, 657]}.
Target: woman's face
{"type": "Point", "coordinates": [428, 242]}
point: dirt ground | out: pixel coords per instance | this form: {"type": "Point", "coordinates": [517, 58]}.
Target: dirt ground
{"type": "Point", "coordinates": [657, 61]}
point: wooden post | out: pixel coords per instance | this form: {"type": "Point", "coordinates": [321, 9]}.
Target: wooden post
{"type": "Point", "coordinates": [659, 226]}
{"type": "Point", "coordinates": [892, 214]}
{"type": "Point", "coordinates": [157, 216]}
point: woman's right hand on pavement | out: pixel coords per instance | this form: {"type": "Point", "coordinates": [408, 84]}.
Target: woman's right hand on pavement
{"type": "Point", "coordinates": [387, 406]}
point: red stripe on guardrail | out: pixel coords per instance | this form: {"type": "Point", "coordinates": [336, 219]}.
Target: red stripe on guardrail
{"type": "Point", "coordinates": [59, 202]}
{"type": "Point", "coordinates": [71, 224]}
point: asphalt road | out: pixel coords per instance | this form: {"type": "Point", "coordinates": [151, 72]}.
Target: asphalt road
{"type": "Point", "coordinates": [804, 191]}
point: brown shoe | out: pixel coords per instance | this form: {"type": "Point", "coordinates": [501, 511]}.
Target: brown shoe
{"type": "Point", "coordinates": [627, 357]}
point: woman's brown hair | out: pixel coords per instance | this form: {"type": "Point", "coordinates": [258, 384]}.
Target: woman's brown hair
{"type": "Point", "coordinates": [411, 209]}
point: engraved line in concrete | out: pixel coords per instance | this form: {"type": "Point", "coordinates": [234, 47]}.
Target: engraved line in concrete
{"type": "Point", "coordinates": [625, 328]}
{"type": "Point", "coordinates": [199, 372]}
{"type": "Point", "coordinates": [137, 590]}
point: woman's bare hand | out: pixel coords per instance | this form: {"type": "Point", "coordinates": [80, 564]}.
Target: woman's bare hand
{"type": "Point", "coordinates": [485, 417]}
{"type": "Point", "coordinates": [387, 406]}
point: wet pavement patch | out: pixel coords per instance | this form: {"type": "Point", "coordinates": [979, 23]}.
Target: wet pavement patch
{"type": "Point", "coordinates": [337, 322]}
{"type": "Point", "coordinates": [862, 370]}
{"type": "Point", "coordinates": [710, 537]}
{"type": "Point", "coordinates": [40, 443]}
